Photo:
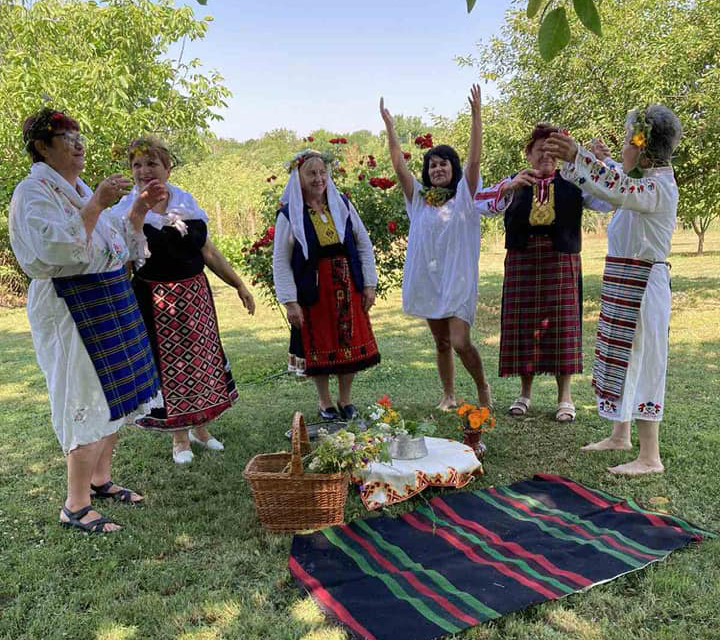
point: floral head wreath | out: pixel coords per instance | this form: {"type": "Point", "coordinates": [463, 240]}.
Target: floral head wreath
{"type": "Point", "coordinates": [640, 129]}
{"type": "Point", "coordinates": [146, 145]}
{"type": "Point", "coordinates": [299, 159]}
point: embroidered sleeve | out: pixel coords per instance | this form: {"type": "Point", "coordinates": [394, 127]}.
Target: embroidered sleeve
{"type": "Point", "coordinates": [489, 202]}
{"type": "Point", "coordinates": [612, 184]}
{"type": "Point", "coordinates": [285, 289]}
{"type": "Point", "coordinates": [48, 232]}
{"type": "Point", "coordinates": [135, 241]}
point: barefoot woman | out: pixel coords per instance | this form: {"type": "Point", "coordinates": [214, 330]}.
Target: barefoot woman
{"type": "Point", "coordinates": [632, 339]}
{"type": "Point", "coordinates": [441, 268]}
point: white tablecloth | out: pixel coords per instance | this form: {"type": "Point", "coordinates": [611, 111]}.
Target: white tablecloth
{"type": "Point", "coordinates": [448, 464]}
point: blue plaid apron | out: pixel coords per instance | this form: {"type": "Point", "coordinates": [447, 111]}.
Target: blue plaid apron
{"type": "Point", "coordinates": [107, 317]}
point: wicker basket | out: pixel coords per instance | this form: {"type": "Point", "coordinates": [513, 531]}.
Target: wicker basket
{"type": "Point", "coordinates": [294, 501]}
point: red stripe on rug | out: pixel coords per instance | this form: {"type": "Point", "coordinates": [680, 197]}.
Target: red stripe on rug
{"type": "Point", "coordinates": [656, 521]}
{"type": "Point", "coordinates": [318, 591]}
{"type": "Point", "coordinates": [581, 491]}
{"type": "Point", "coordinates": [572, 527]}
{"type": "Point", "coordinates": [470, 554]}
{"type": "Point", "coordinates": [410, 577]}
{"type": "Point", "coordinates": [514, 547]}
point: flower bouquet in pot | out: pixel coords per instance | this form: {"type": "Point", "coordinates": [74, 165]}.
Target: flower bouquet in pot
{"type": "Point", "coordinates": [406, 437]}
{"type": "Point", "coordinates": [474, 421]}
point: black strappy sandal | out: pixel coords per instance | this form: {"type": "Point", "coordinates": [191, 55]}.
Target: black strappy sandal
{"type": "Point", "coordinates": [123, 495]}
{"type": "Point", "coordinates": [94, 526]}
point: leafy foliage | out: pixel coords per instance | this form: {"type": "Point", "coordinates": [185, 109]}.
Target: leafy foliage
{"type": "Point", "coordinates": [107, 66]}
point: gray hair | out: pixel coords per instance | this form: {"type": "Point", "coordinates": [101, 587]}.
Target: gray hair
{"type": "Point", "coordinates": [665, 134]}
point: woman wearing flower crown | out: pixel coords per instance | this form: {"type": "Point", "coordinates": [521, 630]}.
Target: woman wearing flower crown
{"type": "Point", "coordinates": [440, 278]}
{"type": "Point", "coordinates": [541, 326]}
{"type": "Point", "coordinates": [177, 305]}
{"type": "Point", "coordinates": [86, 327]}
{"type": "Point", "coordinates": [632, 338]}
{"type": "Point", "coordinates": [324, 273]}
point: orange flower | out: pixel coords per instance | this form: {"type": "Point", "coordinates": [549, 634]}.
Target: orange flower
{"type": "Point", "coordinates": [476, 419]}
{"type": "Point", "coordinates": [385, 402]}
{"type": "Point", "coordinates": [463, 409]}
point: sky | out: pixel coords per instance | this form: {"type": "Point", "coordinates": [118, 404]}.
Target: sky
{"type": "Point", "coordinates": [310, 64]}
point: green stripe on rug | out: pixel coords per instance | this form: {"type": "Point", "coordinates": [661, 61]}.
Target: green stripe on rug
{"type": "Point", "coordinates": [494, 553]}
{"type": "Point", "coordinates": [586, 524]}
{"type": "Point", "coordinates": [559, 534]}
{"type": "Point", "coordinates": [393, 585]}
{"type": "Point", "coordinates": [437, 578]}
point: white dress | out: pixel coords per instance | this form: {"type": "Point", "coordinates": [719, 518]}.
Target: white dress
{"type": "Point", "coordinates": [48, 238]}
{"type": "Point", "coordinates": [641, 228]}
{"type": "Point", "coordinates": [440, 278]}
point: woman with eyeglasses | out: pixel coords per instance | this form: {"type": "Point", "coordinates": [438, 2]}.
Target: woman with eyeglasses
{"type": "Point", "coordinates": [89, 337]}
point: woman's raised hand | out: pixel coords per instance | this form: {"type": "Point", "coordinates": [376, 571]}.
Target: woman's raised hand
{"type": "Point", "coordinates": [153, 193]}
{"type": "Point", "coordinates": [525, 178]}
{"type": "Point", "coordinates": [561, 147]}
{"type": "Point", "coordinates": [110, 189]}
{"type": "Point", "coordinates": [475, 101]}
{"type": "Point", "coordinates": [599, 149]}
{"type": "Point", "coordinates": [387, 118]}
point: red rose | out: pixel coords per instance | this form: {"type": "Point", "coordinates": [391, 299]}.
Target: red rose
{"type": "Point", "coordinates": [342, 170]}
{"type": "Point", "coordinates": [270, 233]}
{"type": "Point", "coordinates": [361, 176]}
{"type": "Point", "coordinates": [371, 161]}
{"type": "Point", "coordinates": [392, 226]}
{"type": "Point", "coordinates": [310, 139]}
{"type": "Point", "coordinates": [343, 140]}
{"type": "Point", "coordinates": [407, 155]}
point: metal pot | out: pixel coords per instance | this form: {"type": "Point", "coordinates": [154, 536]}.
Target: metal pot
{"type": "Point", "coordinates": [403, 447]}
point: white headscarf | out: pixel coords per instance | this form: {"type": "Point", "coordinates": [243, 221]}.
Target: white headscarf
{"type": "Point", "coordinates": [292, 196]}
{"type": "Point", "coordinates": [181, 206]}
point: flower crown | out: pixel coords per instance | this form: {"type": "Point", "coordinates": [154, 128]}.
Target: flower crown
{"type": "Point", "coordinates": [640, 129]}
{"type": "Point", "coordinates": [299, 159]}
{"type": "Point", "coordinates": [146, 145]}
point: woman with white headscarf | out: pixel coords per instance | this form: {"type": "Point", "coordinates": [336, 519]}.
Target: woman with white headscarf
{"type": "Point", "coordinates": [177, 305]}
{"type": "Point", "coordinates": [324, 273]}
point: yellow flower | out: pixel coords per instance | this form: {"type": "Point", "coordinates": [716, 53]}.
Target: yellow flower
{"type": "Point", "coordinates": [638, 139]}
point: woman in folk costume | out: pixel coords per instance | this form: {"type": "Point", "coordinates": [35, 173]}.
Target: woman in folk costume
{"type": "Point", "coordinates": [87, 330]}
{"type": "Point", "coordinates": [541, 325]}
{"type": "Point", "coordinates": [177, 304]}
{"type": "Point", "coordinates": [324, 272]}
{"type": "Point", "coordinates": [440, 278]}
{"type": "Point", "coordinates": [632, 338]}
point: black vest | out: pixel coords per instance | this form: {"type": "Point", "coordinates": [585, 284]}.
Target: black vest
{"type": "Point", "coordinates": [565, 231]}
{"type": "Point", "coordinates": [305, 271]}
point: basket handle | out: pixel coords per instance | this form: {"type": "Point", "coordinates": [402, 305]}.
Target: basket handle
{"type": "Point", "coordinates": [300, 444]}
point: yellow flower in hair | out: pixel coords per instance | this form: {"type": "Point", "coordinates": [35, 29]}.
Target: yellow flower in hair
{"type": "Point", "coordinates": [638, 140]}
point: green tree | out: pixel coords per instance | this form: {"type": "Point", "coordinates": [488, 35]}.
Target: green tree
{"type": "Point", "coordinates": [651, 52]}
{"type": "Point", "coordinates": [107, 65]}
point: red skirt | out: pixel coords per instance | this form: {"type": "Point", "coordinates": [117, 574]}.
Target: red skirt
{"type": "Point", "coordinates": [336, 332]}
{"type": "Point", "coordinates": [541, 325]}
{"type": "Point", "coordinates": [195, 377]}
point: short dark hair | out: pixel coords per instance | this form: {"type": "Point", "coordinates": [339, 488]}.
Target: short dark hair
{"type": "Point", "coordinates": [42, 125]}
{"type": "Point", "coordinates": [446, 152]}
{"type": "Point", "coordinates": [541, 131]}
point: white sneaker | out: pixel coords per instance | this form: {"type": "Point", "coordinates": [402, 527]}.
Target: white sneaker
{"type": "Point", "coordinates": [213, 444]}
{"type": "Point", "coordinates": [183, 457]}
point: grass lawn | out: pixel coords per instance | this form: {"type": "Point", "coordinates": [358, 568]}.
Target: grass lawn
{"type": "Point", "coordinates": [194, 564]}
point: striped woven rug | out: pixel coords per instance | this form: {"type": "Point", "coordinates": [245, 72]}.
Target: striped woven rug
{"type": "Point", "coordinates": [474, 556]}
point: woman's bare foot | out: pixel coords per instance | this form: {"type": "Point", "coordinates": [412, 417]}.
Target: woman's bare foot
{"type": "Point", "coordinates": [609, 444]}
{"type": "Point", "coordinates": [448, 403]}
{"type": "Point", "coordinates": [637, 468]}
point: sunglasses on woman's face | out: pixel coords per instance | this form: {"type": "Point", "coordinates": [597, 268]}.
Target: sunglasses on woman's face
{"type": "Point", "coordinates": [72, 138]}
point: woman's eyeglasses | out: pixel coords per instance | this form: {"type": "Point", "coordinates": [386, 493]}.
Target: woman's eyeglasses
{"type": "Point", "coordinates": [72, 138]}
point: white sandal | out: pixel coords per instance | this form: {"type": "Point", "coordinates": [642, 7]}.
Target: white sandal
{"type": "Point", "coordinates": [519, 407]}
{"type": "Point", "coordinates": [565, 409]}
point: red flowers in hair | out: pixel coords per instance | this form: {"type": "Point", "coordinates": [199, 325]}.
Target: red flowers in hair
{"type": "Point", "coordinates": [424, 142]}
